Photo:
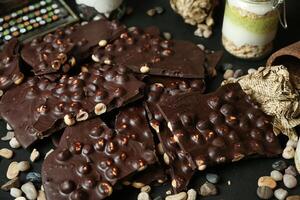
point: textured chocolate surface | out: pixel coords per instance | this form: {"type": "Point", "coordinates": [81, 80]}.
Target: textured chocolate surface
{"type": "Point", "coordinates": [62, 49]}
{"type": "Point", "coordinates": [219, 127]}
{"type": "Point", "coordinates": [10, 73]}
{"type": "Point", "coordinates": [38, 107]}
{"type": "Point", "coordinates": [144, 51]}
{"type": "Point", "coordinates": [90, 160]}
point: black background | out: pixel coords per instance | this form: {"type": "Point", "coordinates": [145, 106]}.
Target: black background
{"type": "Point", "coordinates": [243, 175]}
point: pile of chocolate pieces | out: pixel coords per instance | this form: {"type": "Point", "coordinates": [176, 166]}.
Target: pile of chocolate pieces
{"type": "Point", "coordinates": [132, 108]}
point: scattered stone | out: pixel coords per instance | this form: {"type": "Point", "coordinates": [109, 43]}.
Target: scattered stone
{"type": "Point", "coordinates": [41, 195]}
{"type": "Point", "coordinates": [291, 170]}
{"type": "Point", "coordinates": [227, 66]}
{"type": "Point", "coordinates": [48, 153]}
{"type": "Point", "coordinates": [280, 194]}
{"type": "Point", "coordinates": [6, 153]}
{"type": "Point", "coordinates": [159, 10]}
{"type": "Point", "coordinates": [146, 188]}
{"type": "Point", "coordinates": [13, 170]}
{"type": "Point", "coordinates": [276, 175]}
{"type": "Point", "coordinates": [15, 192]}
{"type": "Point", "coordinates": [208, 189]}
{"type": "Point", "coordinates": [29, 190]}
{"type": "Point", "coordinates": [292, 143]}
{"type": "Point", "coordinates": [288, 152]}
{"type": "Point", "coordinates": [261, 68]}
{"type": "Point", "coordinates": [151, 12]}
{"type": "Point", "coordinates": [179, 196]}
{"type": "Point", "coordinates": [168, 192]}
{"type": "Point", "coordinates": [35, 154]}
{"type": "Point", "coordinates": [238, 73]}
{"type": "Point", "coordinates": [9, 135]}
{"type": "Point", "coordinates": [294, 197]}
{"type": "Point", "coordinates": [191, 194]}
{"type": "Point", "coordinates": [228, 74]}
{"type": "Point", "coordinates": [264, 192]}
{"type": "Point", "coordinates": [14, 143]}
{"type": "Point", "coordinates": [279, 165]}
{"type": "Point", "coordinates": [20, 198]}
{"type": "Point", "coordinates": [143, 196]}
{"type": "Point", "coordinates": [267, 181]}
{"type": "Point", "coordinates": [212, 178]}
{"type": "Point", "coordinates": [228, 182]}
{"type": "Point", "coordinates": [251, 70]}
{"type": "Point", "coordinates": [167, 35]}
{"type": "Point", "coordinates": [8, 127]}
{"type": "Point", "coordinates": [23, 166]}
{"type": "Point", "coordinates": [289, 181]}
{"type": "Point", "coordinates": [13, 183]}
{"type": "Point", "coordinates": [34, 177]}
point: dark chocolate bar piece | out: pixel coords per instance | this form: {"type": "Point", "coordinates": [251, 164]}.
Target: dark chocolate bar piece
{"type": "Point", "coordinates": [10, 73]}
{"type": "Point", "coordinates": [219, 127]}
{"type": "Point", "coordinates": [90, 161]}
{"type": "Point", "coordinates": [62, 49]}
{"type": "Point", "coordinates": [39, 107]}
{"type": "Point", "coordinates": [144, 51]}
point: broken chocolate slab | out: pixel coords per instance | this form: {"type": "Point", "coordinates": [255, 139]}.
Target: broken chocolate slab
{"type": "Point", "coordinates": [90, 161]}
{"type": "Point", "coordinates": [219, 127]}
{"type": "Point", "coordinates": [181, 170]}
{"type": "Point", "coordinates": [39, 107]}
{"type": "Point", "coordinates": [62, 49]}
{"type": "Point", "coordinates": [10, 73]}
{"type": "Point", "coordinates": [144, 51]}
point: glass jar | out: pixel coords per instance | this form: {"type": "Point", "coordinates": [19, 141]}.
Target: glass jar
{"type": "Point", "coordinates": [249, 27]}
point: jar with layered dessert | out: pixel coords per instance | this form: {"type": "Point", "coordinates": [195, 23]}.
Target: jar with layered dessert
{"type": "Point", "coordinates": [249, 27]}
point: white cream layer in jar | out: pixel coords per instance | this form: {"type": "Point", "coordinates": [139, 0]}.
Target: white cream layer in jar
{"type": "Point", "coordinates": [249, 25]}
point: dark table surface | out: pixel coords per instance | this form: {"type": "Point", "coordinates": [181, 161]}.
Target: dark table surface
{"type": "Point", "coordinates": [243, 175]}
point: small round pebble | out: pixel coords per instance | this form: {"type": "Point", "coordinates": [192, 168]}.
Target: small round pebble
{"type": "Point", "coordinates": [293, 197]}
{"type": "Point", "coordinates": [151, 12]}
{"type": "Point", "coordinates": [23, 166]}
{"type": "Point", "coordinates": [159, 10]}
{"type": "Point", "coordinates": [41, 195]}
{"type": "Point", "coordinates": [15, 182]}
{"type": "Point", "coordinates": [15, 192]}
{"type": "Point", "coordinates": [280, 194]}
{"type": "Point", "coordinates": [212, 178]}
{"type": "Point", "coordinates": [35, 154]}
{"type": "Point", "coordinates": [9, 135]}
{"type": "Point", "coordinates": [29, 190]}
{"type": "Point", "coordinates": [34, 177]}
{"type": "Point", "coordinates": [179, 196]}
{"type": "Point", "coordinates": [288, 152]}
{"type": "Point", "coordinates": [276, 175]}
{"type": "Point", "coordinates": [20, 198]}
{"type": "Point", "coordinates": [14, 143]}
{"type": "Point", "coordinates": [267, 181]}
{"type": "Point", "coordinates": [167, 35]}
{"type": "Point", "coordinates": [6, 153]}
{"type": "Point", "coordinates": [13, 170]}
{"type": "Point", "coordinates": [264, 192]}
{"type": "Point", "coordinates": [279, 165]}
{"type": "Point", "coordinates": [146, 188]}
{"type": "Point", "coordinates": [251, 70]}
{"type": "Point", "coordinates": [238, 73]}
{"type": "Point", "coordinates": [143, 196]}
{"type": "Point", "coordinates": [289, 181]}
{"type": "Point", "coordinates": [191, 194]}
{"type": "Point", "coordinates": [208, 189]}
{"type": "Point", "coordinates": [228, 74]}
{"type": "Point", "coordinates": [227, 66]}
{"type": "Point", "coordinates": [291, 170]}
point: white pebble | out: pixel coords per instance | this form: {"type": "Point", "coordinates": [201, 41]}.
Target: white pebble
{"type": "Point", "coordinates": [8, 127]}
{"type": "Point", "coordinates": [251, 71]}
{"type": "Point", "coordinates": [9, 135]}
{"type": "Point", "coordinates": [289, 181]}
{"type": "Point", "coordinates": [15, 192]}
{"type": "Point", "coordinates": [228, 74]}
{"type": "Point", "coordinates": [201, 46]}
{"type": "Point", "coordinates": [35, 154]}
{"type": "Point", "coordinates": [261, 68]}
{"type": "Point", "coordinates": [20, 198]}
{"type": "Point", "coordinates": [146, 188]}
{"type": "Point", "coordinates": [191, 194]}
{"type": "Point", "coordinates": [143, 196]}
{"type": "Point", "coordinates": [6, 153]}
{"type": "Point", "coordinates": [179, 196]}
{"type": "Point", "coordinates": [24, 166]}
{"type": "Point", "coordinates": [280, 194]}
{"type": "Point", "coordinates": [276, 175]}
{"type": "Point", "coordinates": [292, 143]}
{"type": "Point", "coordinates": [29, 190]}
{"type": "Point", "coordinates": [288, 152]}
{"type": "Point", "coordinates": [14, 143]}
{"type": "Point", "coordinates": [13, 170]}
